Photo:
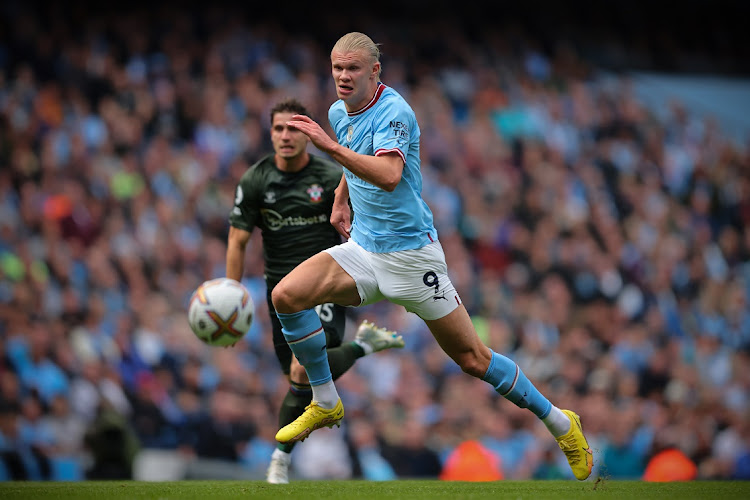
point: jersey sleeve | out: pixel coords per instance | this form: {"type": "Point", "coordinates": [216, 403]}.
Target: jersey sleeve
{"type": "Point", "coordinates": [244, 214]}
{"type": "Point", "coordinates": [391, 129]}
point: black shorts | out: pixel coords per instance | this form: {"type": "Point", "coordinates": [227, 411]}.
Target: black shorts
{"type": "Point", "coordinates": [332, 316]}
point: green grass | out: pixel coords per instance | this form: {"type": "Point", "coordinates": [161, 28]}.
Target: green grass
{"type": "Point", "coordinates": [346, 490]}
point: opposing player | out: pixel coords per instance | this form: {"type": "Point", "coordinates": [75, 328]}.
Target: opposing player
{"type": "Point", "coordinates": [289, 196]}
{"type": "Point", "coordinates": [393, 252]}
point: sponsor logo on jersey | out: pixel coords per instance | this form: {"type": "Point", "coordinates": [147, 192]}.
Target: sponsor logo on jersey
{"type": "Point", "coordinates": [399, 131]}
{"type": "Point", "coordinates": [316, 193]}
{"type": "Point", "coordinates": [275, 221]}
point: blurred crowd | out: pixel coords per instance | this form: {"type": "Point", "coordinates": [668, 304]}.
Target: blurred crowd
{"type": "Point", "coordinates": [605, 249]}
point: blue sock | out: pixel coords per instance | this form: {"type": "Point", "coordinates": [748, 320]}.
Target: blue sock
{"type": "Point", "coordinates": [305, 336]}
{"type": "Point", "coordinates": [508, 380]}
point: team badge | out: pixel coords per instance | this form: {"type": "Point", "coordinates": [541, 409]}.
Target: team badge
{"type": "Point", "coordinates": [269, 197]}
{"type": "Point", "coordinates": [349, 134]}
{"type": "Point", "coordinates": [316, 193]}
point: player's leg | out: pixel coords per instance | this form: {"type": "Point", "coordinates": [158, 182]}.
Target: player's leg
{"type": "Point", "coordinates": [299, 395]}
{"type": "Point", "coordinates": [318, 280]}
{"type": "Point", "coordinates": [296, 399]}
{"type": "Point", "coordinates": [370, 338]}
{"type": "Point", "coordinates": [430, 293]}
{"type": "Point", "coordinates": [340, 359]}
{"type": "Point", "coordinates": [456, 335]}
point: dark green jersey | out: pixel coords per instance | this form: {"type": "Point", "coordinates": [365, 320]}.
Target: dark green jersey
{"type": "Point", "coordinates": [292, 211]}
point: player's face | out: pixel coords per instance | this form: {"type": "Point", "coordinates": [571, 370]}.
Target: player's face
{"type": "Point", "coordinates": [355, 76]}
{"type": "Point", "coordinates": [288, 142]}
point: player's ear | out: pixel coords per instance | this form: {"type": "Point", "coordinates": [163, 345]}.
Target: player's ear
{"type": "Point", "coordinates": [376, 70]}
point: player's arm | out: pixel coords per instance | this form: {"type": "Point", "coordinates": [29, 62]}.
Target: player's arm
{"type": "Point", "coordinates": [382, 171]}
{"type": "Point", "coordinates": [236, 243]}
{"type": "Point", "coordinates": [341, 217]}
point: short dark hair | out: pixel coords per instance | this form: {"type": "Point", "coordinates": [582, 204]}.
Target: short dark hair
{"type": "Point", "coordinates": [289, 105]}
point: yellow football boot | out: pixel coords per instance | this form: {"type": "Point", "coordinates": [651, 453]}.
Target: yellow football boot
{"type": "Point", "coordinates": [576, 448]}
{"type": "Point", "coordinates": [312, 419]}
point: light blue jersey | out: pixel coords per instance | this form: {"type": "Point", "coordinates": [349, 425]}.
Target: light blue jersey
{"type": "Point", "coordinates": [383, 221]}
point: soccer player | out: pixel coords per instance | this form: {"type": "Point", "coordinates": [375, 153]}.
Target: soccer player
{"type": "Point", "coordinates": [392, 252]}
{"type": "Point", "coordinates": [289, 196]}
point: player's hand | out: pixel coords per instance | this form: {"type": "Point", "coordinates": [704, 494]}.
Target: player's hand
{"type": "Point", "coordinates": [315, 132]}
{"type": "Point", "coordinates": [341, 219]}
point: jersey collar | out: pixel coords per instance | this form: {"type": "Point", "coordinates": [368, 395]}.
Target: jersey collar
{"type": "Point", "coordinates": [378, 92]}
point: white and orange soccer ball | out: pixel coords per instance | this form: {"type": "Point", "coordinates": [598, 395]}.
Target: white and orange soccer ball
{"type": "Point", "coordinates": [221, 312]}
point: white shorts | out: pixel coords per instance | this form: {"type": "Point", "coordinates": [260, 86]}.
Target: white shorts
{"type": "Point", "coordinates": [416, 279]}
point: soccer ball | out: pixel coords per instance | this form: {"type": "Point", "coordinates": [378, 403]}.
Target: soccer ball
{"type": "Point", "coordinates": [220, 312]}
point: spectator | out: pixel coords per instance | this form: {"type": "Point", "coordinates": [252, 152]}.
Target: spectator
{"type": "Point", "coordinates": [112, 444]}
{"type": "Point", "coordinates": [408, 454]}
{"type": "Point", "coordinates": [368, 455]}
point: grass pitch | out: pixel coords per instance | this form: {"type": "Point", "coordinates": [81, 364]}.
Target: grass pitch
{"type": "Point", "coordinates": [355, 490]}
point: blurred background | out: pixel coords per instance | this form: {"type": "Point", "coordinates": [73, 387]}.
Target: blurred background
{"type": "Point", "coordinates": [589, 171]}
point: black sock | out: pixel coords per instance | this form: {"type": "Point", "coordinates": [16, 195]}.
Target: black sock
{"type": "Point", "coordinates": [341, 358]}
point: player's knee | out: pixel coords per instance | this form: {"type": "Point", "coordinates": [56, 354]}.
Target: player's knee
{"type": "Point", "coordinates": [283, 300]}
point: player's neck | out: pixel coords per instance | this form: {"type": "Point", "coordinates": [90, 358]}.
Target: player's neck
{"type": "Point", "coordinates": [364, 102]}
{"type": "Point", "coordinates": [292, 164]}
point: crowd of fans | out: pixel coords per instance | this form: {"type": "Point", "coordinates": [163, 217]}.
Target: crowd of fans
{"type": "Point", "coordinates": [604, 249]}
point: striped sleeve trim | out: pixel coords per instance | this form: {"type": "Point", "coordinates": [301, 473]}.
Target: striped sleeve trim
{"type": "Point", "coordinates": [381, 152]}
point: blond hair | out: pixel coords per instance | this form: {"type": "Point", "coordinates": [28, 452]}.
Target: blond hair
{"type": "Point", "coordinates": [355, 42]}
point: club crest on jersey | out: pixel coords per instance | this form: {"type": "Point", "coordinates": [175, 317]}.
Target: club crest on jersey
{"type": "Point", "coordinates": [349, 134]}
{"type": "Point", "coordinates": [269, 197]}
{"type": "Point", "coordinates": [316, 193]}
